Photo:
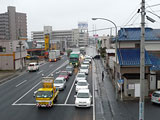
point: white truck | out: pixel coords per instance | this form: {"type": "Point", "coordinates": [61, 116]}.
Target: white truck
{"type": "Point", "coordinates": [54, 55]}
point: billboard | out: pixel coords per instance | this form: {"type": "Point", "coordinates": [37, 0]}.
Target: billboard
{"type": "Point", "coordinates": [83, 25]}
{"type": "Point", "coordinates": [46, 42]}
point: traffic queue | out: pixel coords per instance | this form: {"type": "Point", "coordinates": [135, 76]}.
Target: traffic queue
{"type": "Point", "coordinates": [47, 95]}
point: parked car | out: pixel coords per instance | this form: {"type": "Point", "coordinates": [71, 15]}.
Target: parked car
{"type": "Point", "coordinates": [64, 74]}
{"type": "Point", "coordinates": [70, 69]}
{"type": "Point", "coordinates": [33, 67]}
{"type": "Point", "coordinates": [60, 83]}
{"type": "Point", "coordinates": [155, 97]}
{"type": "Point", "coordinates": [84, 69]}
{"type": "Point", "coordinates": [81, 84]}
{"type": "Point", "coordinates": [83, 98]}
{"type": "Point", "coordinates": [80, 76]}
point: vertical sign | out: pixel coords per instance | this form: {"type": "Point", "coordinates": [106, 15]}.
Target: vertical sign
{"type": "Point", "coordinates": [46, 42]}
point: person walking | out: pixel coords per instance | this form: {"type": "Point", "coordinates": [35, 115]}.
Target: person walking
{"type": "Point", "coordinates": [102, 75]}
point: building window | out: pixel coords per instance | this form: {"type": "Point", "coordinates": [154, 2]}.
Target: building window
{"type": "Point", "coordinates": [137, 45]}
{"type": "Point", "coordinates": [2, 49]}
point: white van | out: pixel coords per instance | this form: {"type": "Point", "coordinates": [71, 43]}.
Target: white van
{"type": "Point", "coordinates": [33, 67]}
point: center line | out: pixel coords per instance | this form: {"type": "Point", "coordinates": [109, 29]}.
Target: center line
{"type": "Point", "coordinates": [21, 83]}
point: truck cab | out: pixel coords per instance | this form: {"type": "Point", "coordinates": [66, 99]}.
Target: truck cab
{"type": "Point", "coordinates": [47, 95]}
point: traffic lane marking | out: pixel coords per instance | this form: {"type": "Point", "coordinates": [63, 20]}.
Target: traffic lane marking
{"type": "Point", "coordinates": [34, 104]}
{"type": "Point", "coordinates": [69, 92]}
{"type": "Point", "coordinates": [38, 83]}
{"type": "Point", "coordinates": [40, 72]}
{"type": "Point", "coordinates": [21, 83]}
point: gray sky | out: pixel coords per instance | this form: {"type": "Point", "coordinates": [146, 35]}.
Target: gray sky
{"type": "Point", "coordinates": [65, 14]}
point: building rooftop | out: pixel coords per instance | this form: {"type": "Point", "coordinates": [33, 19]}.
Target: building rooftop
{"type": "Point", "coordinates": [155, 63]}
{"type": "Point", "coordinates": [134, 34]}
{"type": "Point", "coordinates": [131, 57]}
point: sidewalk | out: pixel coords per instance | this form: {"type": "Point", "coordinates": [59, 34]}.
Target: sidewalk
{"type": "Point", "coordinates": [103, 107]}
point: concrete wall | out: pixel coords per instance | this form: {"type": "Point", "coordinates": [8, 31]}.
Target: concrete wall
{"type": "Point", "coordinates": [6, 62]}
{"type": "Point", "coordinates": [128, 92]}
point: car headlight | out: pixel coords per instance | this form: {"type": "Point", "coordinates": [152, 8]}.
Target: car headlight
{"type": "Point", "coordinates": [76, 63]}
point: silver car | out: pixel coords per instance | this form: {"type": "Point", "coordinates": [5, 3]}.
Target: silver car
{"type": "Point", "coordinates": [155, 97]}
{"type": "Point", "coordinates": [60, 83]}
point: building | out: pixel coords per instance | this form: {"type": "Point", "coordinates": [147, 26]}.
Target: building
{"type": "Point", "coordinates": [128, 54]}
{"type": "Point", "coordinates": [12, 54]}
{"type": "Point", "coordinates": [65, 38]}
{"type": "Point", "coordinates": [13, 25]}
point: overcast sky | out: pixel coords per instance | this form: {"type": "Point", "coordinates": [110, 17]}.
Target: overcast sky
{"type": "Point", "coordinates": [65, 14]}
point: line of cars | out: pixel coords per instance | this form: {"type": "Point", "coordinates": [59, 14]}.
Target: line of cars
{"type": "Point", "coordinates": [83, 95]}
{"type": "Point", "coordinates": [60, 81]}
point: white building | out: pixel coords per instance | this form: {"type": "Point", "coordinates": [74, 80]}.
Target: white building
{"type": "Point", "coordinates": [11, 55]}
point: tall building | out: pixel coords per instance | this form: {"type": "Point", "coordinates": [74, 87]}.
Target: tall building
{"type": "Point", "coordinates": [13, 25]}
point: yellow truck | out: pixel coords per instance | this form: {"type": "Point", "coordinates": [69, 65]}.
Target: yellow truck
{"type": "Point", "coordinates": [47, 95]}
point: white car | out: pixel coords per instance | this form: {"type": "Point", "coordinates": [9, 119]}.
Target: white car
{"type": "Point", "coordinates": [81, 84]}
{"type": "Point", "coordinates": [86, 62]}
{"type": "Point", "coordinates": [80, 76]}
{"type": "Point", "coordinates": [88, 58]}
{"type": "Point", "coordinates": [33, 67]}
{"type": "Point", "coordinates": [60, 83]}
{"type": "Point", "coordinates": [83, 98]}
{"type": "Point", "coordinates": [84, 69]}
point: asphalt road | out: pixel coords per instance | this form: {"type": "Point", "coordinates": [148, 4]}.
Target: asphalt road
{"type": "Point", "coordinates": [18, 103]}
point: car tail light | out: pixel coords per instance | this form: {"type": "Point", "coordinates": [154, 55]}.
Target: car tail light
{"type": "Point", "coordinates": [159, 99]}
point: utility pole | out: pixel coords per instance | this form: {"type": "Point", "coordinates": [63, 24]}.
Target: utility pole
{"type": "Point", "coordinates": [20, 45]}
{"type": "Point", "coordinates": [142, 62]}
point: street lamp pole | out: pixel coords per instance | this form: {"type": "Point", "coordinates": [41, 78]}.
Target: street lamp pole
{"type": "Point", "coordinates": [116, 46]}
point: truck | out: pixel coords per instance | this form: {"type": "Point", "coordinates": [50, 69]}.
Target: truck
{"type": "Point", "coordinates": [74, 59]}
{"type": "Point", "coordinates": [83, 50]}
{"type": "Point", "coordinates": [54, 55]}
{"type": "Point", "coordinates": [47, 95]}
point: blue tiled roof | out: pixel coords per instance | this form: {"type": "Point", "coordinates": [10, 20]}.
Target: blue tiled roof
{"type": "Point", "coordinates": [134, 34]}
{"type": "Point", "coordinates": [155, 63]}
{"type": "Point", "coordinates": [131, 57]}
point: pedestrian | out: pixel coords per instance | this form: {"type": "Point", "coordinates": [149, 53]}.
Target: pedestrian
{"type": "Point", "coordinates": [102, 75]}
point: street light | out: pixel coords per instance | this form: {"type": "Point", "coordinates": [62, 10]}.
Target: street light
{"type": "Point", "coordinates": [116, 79]}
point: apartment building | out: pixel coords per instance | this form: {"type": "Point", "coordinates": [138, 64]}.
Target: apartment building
{"type": "Point", "coordinates": [13, 25]}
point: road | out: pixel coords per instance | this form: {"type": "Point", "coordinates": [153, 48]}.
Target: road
{"type": "Point", "coordinates": [18, 103]}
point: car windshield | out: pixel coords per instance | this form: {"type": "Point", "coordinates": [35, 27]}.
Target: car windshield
{"type": "Point", "coordinates": [68, 69]}
{"type": "Point", "coordinates": [156, 95]}
{"type": "Point", "coordinates": [82, 83]}
{"type": "Point", "coordinates": [84, 67]}
{"type": "Point", "coordinates": [44, 94]}
{"type": "Point", "coordinates": [83, 95]}
{"type": "Point", "coordinates": [73, 59]}
{"type": "Point", "coordinates": [63, 73]}
{"type": "Point", "coordinates": [81, 75]}
{"type": "Point", "coordinates": [58, 81]}
{"type": "Point", "coordinates": [31, 64]}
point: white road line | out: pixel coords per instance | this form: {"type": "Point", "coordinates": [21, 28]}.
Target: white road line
{"type": "Point", "coordinates": [33, 104]}
{"type": "Point", "coordinates": [93, 88]}
{"type": "Point", "coordinates": [40, 71]}
{"type": "Point", "coordinates": [69, 92]}
{"type": "Point", "coordinates": [26, 93]}
{"type": "Point", "coordinates": [38, 84]}
{"type": "Point", "coordinates": [51, 65]}
{"type": "Point", "coordinates": [21, 83]}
